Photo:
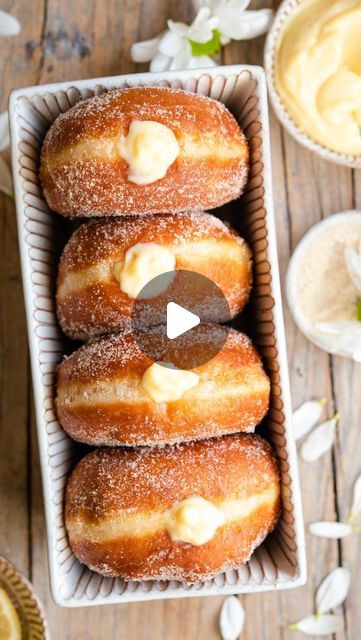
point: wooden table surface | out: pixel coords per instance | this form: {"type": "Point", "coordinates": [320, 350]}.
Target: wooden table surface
{"type": "Point", "coordinates": [66, 40]}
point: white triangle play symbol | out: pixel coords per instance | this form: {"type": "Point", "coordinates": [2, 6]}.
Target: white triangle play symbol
{"type": "Point", "coordinates": [179, 320]}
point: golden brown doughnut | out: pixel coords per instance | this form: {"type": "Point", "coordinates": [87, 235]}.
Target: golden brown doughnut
{"type": "Point", "coordinates": [84, 173]}
{"type": "Point", "coordinates": [102, 398]}
{"type": "Point", "coordinates": [90, 301]}
{"type": "Point", "coordinates": [122, 505]}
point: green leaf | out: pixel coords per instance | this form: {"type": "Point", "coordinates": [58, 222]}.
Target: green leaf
{"type": "Point", "coordinates": [358, 310]}
{"type": "Point", "coordinates": [209, 48]}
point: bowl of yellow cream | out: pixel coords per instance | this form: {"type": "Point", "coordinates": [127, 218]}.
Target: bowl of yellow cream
{"type": "Point", "coordinates": [313, 68]}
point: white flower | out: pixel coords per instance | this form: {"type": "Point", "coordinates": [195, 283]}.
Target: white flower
{"type": "Point", "coordinates": [353, 263]}
{"type": "Point", "coordinates": [332, 530]}
{"type": "Point", "coordinates": [330, 594]}
{"type": "Point", "coordinates": [235, 23]}
{"type": "Point", "coordinates": [333, 590]}
{"type": "Point", "coordinates": [318, 625]}
{"type": "Point", "coordinates": [343, 338]}
{"type": "Point", "coordinates": [173, 49]}
{"type": "Point", "coordinates": [320, 440]}
{"type": "Point", "coordinates": [9, 26]}
{"type": "Point", "coordinates": [185, 46]}
{"type": "Point", "coordinates": [231, 620]}
{"type": "Point", "coordinates": [306, 416]}
{"type": "Point", "coordinates": [356, 501]}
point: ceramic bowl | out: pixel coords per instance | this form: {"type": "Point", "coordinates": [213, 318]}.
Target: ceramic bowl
{"type": "Point", "coordinates": [295, 264]}
{"type": "Point", "coordinates": [27, 605]}
{"type": "Point", "coordinates": [275, 33]}
{"type": "Point", "coordinates": [279, 563]}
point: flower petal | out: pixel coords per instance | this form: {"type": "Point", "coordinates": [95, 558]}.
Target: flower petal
{"type": "Point", "coordinates": [340, 328]}
{"type": "Point", "coordinates": [306, 416]}
{"type": "Point", "coordinates": [201, 29]}
{"type": "Point", "coordinates": [319, 625]}
{"type": "Point", "coordinates": [4, 131]}
{"type": "Point", "coordinates": [9, 26]}
{"type": "Point", "coordinates": [202, 16]}
{"type": "Point", "coordinates": [333, 590]}
{"type": "Point", "coordinates": [332, 530]}
{"type": "Point", "coordinates": [160, 62]}
{"type": "Point", "coordinates": [6, 184]}
{"type": "Point", "coordinates": [320, 440]}
{"type": "Point", "coordinates": [200, 62]}
{"type": "Point", "coordinates": [356, 501]}
{"type": "Point", "coordinates": [179, 28]}
{"type": "Point", "coordinates": [171, 44]}
{"type": "Point", "coordinates": [250, 24]}
{"type": "Point", "coordinates": [343, 338]}
{"type": "Point", "coordinates": [231, 620]}
{"type": "Point", "coordinates": [182, 59]}
{"type": "Point", "coordinates": [353, 264]}
{"type": "Point", "coordinates": [144, 51]}
{"type": "Point", "coordinates": [230, 8]}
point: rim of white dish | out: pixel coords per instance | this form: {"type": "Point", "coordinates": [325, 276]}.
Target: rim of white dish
{"type": "Point", "coordinates": [282, 15]}
{"type": "Point", "coordinates": [304, 325]}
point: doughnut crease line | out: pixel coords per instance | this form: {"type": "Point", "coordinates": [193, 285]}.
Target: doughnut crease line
{"type": "Point", "coordinates": [139, 525]}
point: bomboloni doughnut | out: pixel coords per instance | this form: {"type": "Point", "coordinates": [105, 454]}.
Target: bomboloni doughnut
{"type": "Point", "coordinates": [173, 513]}
{"type": "Point", "coordinates": [110, 393]}
{"type": "Point", "coordinates": [105, 265]}
{"type": "Point", "coordinates": [143, 150]}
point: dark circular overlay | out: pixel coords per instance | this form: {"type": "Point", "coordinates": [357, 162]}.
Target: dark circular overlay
{"type": "Point", "coordinates": [195, 293]}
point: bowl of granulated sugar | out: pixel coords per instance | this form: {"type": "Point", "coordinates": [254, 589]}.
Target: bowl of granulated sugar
{"type": "Point", "coordinates": [323, 284]}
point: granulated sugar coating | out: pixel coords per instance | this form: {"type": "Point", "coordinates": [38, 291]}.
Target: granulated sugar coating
{"type": "Point", "coordinates": [117, 507]}
{"type": "Point", "coordinates": [90, 301]}
{"type": "Point", "coordinates": [83, 173]}
{"type": "Point", "coordinates": [109, 480]}
{"type": "Point", "coordinates": [114, 355]}
{"type": "Point", "coordinates": [96, 241]}
{"type": "Point", "coordinates": [101, 399]}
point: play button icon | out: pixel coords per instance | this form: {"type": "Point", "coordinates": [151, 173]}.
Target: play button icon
{"type": "Point", "coordinates": [174, 319]}
{"type": "Point", "coordinates": [179, 320]}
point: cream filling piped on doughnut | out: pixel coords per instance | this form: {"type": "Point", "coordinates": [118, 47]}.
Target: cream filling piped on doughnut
{"type": "Point", "coordinates": [149, 149]}
{"type": "Point", "coordinates": [142, 263]}
{"type": "Point", "coordinates": [194, 520]}
{"type": "Point", "coordinates": [142, 523]}
{"type": "Point", "coordinates": [191, 146]}
{"type": "Point", "coordinates": [167, 384]}
{"type": "Point", "coordinates": [212, 385]}
{"type": "Point", "coordinates": [187, 254]}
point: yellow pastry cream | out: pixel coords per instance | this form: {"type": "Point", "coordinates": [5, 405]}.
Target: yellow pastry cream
{"type": "Point", "coordinates": [149, 149]}
{"type": "Point", "coordinates": [142, 262]}
{"type": "Point", "coordinates": [318, 72]}
{"type": "Point", "coordinates": [194, 520]}
{"type": "Point", "coordinates": [166, 384]}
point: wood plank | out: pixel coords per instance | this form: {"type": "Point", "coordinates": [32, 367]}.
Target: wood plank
{"type": "Point", "coordinates": [15, 70]}
{"type": "Point", "coordinates": [347, 385]}
{"type": "Point", "coordinates": [305, 190]}
{"type": "Point", "coordinates": [14, 398]}
{"type": "Point", "coordinates": [263, 607]}
{"type": "Point", "coordinates": [309, 199]}
{"type": "Point", "coordinates": [85, 39]}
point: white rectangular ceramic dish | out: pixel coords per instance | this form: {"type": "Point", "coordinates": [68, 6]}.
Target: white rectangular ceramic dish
{"type": "Point", "coordinates": [279, 563]}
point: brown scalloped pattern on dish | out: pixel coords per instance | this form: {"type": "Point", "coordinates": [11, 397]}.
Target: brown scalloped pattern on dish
{"type": "Point", "coordinates": [27, 605]}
